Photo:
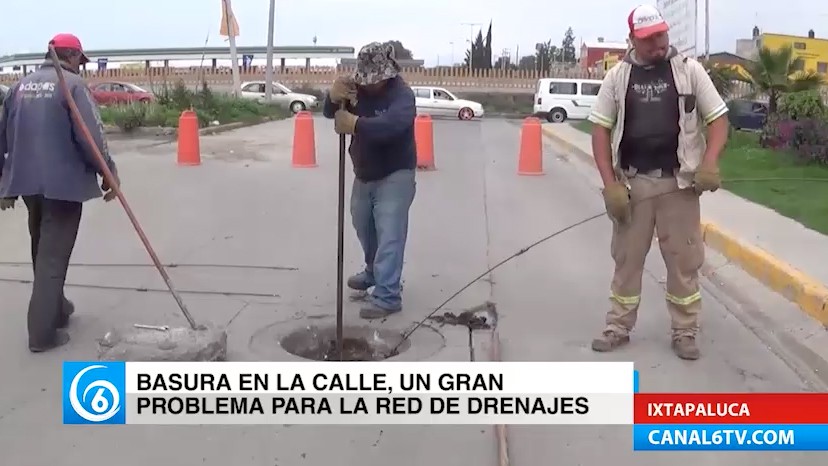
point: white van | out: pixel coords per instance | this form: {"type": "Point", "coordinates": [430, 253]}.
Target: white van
{"type": "Point", "coordinates": [559, 99]}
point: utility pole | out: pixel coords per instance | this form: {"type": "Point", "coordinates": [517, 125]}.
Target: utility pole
{"type": "Point", "coordinates": [231, 33]}
{"type": "Point", "coordinates": [506, 58]}
{"type": "Point", "coordinates": [452, 53]}
{"type": "Point", "coordinates": [471, 42]}
{"type": "Point", "coordinates": [271, 20]}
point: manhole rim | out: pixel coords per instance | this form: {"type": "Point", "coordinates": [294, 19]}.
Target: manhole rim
{"type": "Point", "coordinates": [424, 344]}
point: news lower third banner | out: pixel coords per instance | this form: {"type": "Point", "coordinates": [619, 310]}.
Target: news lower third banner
{"type": "Point", "coordinates": [348, 393]}
{"type": "Point", "coordinates": [486, 393]}
{"type": "Point", "coordinates": [731, 421]}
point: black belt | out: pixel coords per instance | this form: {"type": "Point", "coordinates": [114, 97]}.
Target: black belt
{"type": "Point", "coordinates": [655, 173]}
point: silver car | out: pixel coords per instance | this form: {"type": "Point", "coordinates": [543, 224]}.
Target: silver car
{"type": "Point", "coordinates": [281, 96]}
{"type": "Point", "coordinates": [436, 101]}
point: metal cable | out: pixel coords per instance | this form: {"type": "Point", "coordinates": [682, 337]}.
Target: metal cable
{"type": "Point", "coordinates": [523, 250]}
{"type": "Point", "coordinates": [149, 290]}
{"type": "Point", "coordinates": [169, 266]}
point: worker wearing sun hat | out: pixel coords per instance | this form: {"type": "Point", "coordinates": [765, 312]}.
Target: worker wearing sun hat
{"type": "Point", "coordinates": [44, 159]}
{"type": "Point", "coordinates": [655, 161]}
{"type": "Point", "coordinates": [380, 116]}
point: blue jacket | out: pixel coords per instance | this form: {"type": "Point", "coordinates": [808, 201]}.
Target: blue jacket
{"type": "Point", "coordinates": [46, 152]}
{"type": "Point", "coordinates": [383, 141]}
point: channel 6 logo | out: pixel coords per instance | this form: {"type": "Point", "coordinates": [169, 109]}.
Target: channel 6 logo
{"type": "Point", "coordinates": [94, 392]}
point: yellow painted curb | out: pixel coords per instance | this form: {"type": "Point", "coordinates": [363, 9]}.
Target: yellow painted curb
{"type": "Point", "coordinates": [809, 294]}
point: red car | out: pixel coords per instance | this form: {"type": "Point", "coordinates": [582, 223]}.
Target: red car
{"type": "Point", "coordinates": [118, 93]}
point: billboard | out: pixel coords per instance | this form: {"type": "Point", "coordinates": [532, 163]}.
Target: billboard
{"type": "Point", "coordinates": [681, 15]}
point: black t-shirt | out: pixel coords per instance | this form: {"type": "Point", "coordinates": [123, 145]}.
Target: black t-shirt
{"type": "Point", "coordinates": [651, 128]}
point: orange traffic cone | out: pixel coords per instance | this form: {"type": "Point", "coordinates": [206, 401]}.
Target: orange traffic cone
{"type": "Point", "coordinates": [424, 139]}
{"type": "Point", "coordinates": [530, 159]}
{"type": "Point", "coordinates": [304, 141]}
{"type": "Point", "coordinates": [189, 151]}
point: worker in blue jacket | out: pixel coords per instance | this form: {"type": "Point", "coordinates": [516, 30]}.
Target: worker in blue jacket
{"type": "Point", "coordinates": [45, 159]}
{"type": "Point", "coordinates": [379, 115]}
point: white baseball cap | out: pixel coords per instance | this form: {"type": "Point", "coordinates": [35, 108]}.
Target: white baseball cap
{"type": "Point", "coordinates": [646, 20]}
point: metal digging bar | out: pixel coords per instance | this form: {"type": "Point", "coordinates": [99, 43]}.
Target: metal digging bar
{"type": "Point", "coordinates": [110, 181]}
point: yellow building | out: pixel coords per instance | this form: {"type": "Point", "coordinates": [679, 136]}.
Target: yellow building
{"type": "Point", "coordinates": [812, 51]}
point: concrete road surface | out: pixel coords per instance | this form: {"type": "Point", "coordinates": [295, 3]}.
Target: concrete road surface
{"type": "Point", "coordinates": [245, 206]}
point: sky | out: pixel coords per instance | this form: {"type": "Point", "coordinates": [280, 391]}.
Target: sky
{"type": "Point", "coordinates": [427, 27]}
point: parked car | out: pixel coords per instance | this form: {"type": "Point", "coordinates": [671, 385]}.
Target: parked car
{"type": "Point", "coordinates": [747, 114]}
{"type": "Point", "coordinates": [282, 96]}
{"type": "Point", "coordinates": [118, 93]}
{"type": "Point", "coordinates": [436, 101]}
{"type": "Point", "coordinates": [561, 99]}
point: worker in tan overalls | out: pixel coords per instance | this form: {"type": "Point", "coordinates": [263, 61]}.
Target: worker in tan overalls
{"type": "Point", "coordinates": [650, 149]}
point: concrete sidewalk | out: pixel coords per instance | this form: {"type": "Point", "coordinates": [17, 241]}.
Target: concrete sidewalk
{"type": "Point", "coordinates": [776, 250]}
{"type": "Point", "coordinates": [246, 207]}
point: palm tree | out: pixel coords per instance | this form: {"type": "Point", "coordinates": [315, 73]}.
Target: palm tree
{"type": "Point", "coordinates": [776, 72]}
{"type": "Point", "coordinates": [723, 78]}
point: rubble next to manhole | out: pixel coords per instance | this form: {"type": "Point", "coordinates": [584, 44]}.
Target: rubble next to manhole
{"type": "Point", "coordinates": [480, 317]}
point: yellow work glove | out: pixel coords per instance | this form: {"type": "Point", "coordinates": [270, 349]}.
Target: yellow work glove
{"type": "Point", "coordinates": [617, 201]}
{"type": "Point", "coordinates": [706, 179]}
{"type": "Point", "coordinates": [345, 122]}
{"type": "Point", "coordinates": [343, 89]}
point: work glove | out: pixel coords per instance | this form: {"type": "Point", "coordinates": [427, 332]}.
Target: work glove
{"type": "Point", "coordinates": [345, 122]}
{"type": "Point", "coordinates": [7, 203]}
{"type": "Point", "coordinates": [343, 89]}
{"type": "Point", "coordinates": [109, 193]}
{"type": "Point", "coordinates": [706, 179]}
{"type": "Point", "coordinates": [617, 201]}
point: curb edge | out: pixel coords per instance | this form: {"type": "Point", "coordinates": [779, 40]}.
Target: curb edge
{"type": "Point", "coordinates": [779, 276]}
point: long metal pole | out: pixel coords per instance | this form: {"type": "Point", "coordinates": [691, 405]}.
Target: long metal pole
{"type": "Point", "coordinates": [271, 20]}
{"type": "Point", "coordinates": [233, 57]}
{"type": "Point", "coordinates": [695, 28]}
{"type": "Point", "coordinates": [706, 29]}
{"type": "Point", "coordinates": [109, 177]}
{"type": "Point", "coordinates": [340, 246]}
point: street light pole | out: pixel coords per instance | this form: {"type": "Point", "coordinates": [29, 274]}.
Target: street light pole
{"type": "Point", "coordinates": [471, 42]}
{"type": "Point", "coordinates": [271, 19]}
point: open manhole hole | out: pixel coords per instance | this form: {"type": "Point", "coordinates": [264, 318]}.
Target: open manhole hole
{"type": "Point", "coordinates": [318, 343]}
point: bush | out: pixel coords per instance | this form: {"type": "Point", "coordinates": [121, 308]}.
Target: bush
{"type": "Point", "coordinates": [778, 132]}
{"type": "Point", "coordinates": [802, 105]}
{"type": "Point", "coordinates": [170, 102]}
{"type": "Point", "coordinates": [810, 141]}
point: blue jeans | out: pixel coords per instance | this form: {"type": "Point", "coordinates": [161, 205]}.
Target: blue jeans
{"type": "Point", "coordinates": [379, 210]}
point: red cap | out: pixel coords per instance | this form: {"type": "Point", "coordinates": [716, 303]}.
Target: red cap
{"type": "Point", "coordinates": [69, 41]}
{"type": "Point", "coordinates": [646, 20]}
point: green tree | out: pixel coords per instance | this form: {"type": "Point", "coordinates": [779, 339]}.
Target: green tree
{"type": "Point", "coordinates": [545, 53]}
{"type": "Point", "coordinates": [488, 48]}
{"type": "Point", "coordinates": [504, 63]}
{"type": "Point", "coordinates": [567, 53]}
{"type": "Point", "coordinates": [724, 78]}
{"type": "Point", "coordinates": [400, 51]}
{"type": "Point", "coordinates": [477, 54]}
{"type": "Point", "coordinates": [776, 72]}
{"type": "Point", "coordinates": [528, 62]}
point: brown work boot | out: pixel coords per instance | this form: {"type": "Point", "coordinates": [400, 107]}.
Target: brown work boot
{"type": "Point", "coordinates": [685, 347]}
{"type": "Point", "coordinates": [609, 341]}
